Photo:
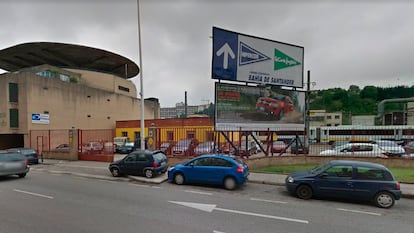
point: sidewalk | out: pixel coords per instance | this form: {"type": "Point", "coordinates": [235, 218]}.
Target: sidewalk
{"type": "Point", "coordinates": [99, 170]}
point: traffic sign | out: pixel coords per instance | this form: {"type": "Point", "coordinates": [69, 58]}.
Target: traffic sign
{"type": "Point", "coordinates": [239, 57]}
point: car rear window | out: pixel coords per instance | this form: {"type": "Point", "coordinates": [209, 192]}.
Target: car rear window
{"type": "Point", "coordinates": [7, 157]}
{"type": "Point", "coordinates": [159, 156]}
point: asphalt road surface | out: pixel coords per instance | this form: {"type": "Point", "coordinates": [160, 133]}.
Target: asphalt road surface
{"type": "Point", "coordinates": [51, 203]}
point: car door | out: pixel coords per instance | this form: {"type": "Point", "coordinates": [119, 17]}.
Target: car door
{"type": "Point", "coordinates": [335, 181]}
{"type": "Point", "coordinates": [196, 171]}
{"type": "Point", "coordinates": [129, 164]}
{"type": "Point", "coordinates": [218, 169]}
{"type": "Point", "coordinates": [367, 180]}
{"type": "Point", "coordinates": [143, 161]}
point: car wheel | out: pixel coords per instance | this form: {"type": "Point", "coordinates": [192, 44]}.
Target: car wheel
{"type": "Point", "coordinates": [149, 173]}
{"type": "Point", "coordinates": [179, 178]}
{"type": "Point", "coordinates": [22, 175]}
{"type": "Point", "coordinates": [115, 172]}
{"type": "Point", "coordinates": [230, 183]}
{"type": "Point", "coordinates": [304, 192]}
{"type": "Point", "coordinates": [384, 200]}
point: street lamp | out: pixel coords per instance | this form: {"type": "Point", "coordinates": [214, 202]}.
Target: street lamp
{"type": "Point", "coordinates": [141, 78]}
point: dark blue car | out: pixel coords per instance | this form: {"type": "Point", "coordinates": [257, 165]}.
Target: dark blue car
{"type": "Point", "coordinates": [216, 169]}
{"type": "Point", "coordinates": [346, 179]}
{"type": "Point", "coordinates": [29, 153]}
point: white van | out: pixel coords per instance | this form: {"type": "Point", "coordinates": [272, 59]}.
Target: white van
{"type": "Point", "coordinates": [120, 141]}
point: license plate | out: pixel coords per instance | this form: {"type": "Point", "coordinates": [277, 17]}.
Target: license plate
{"type": "Point", "coordinates": [163, 163]}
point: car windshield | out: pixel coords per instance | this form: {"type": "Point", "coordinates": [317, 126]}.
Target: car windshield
{"type": "Point", "coordinates": [129, 144]}
{"type": "Point", "coordinates": [165, 144]}
{"type": "Point", "coordinates": [205, 144]}
{"type": "Point", "coordinates": [319, 168]}
{"type": "Point", "coordinates": [386, 143]}
{"type": "Point", "coordinates": [184, 142]}
{"type": "Point", "coordinates": [278, 143]}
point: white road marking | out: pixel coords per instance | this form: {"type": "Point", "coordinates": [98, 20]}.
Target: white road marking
{"type": "Point", "coordinates": [219, 232]}
{"type": "Point", "coordinates": [82, 166]}
{"type": "Point", "coordinates": [198, 192]}
{"type": "Point", "coordinates": [156, 187]}
{"type": "Point", "coordinates": [140, 185]}
{"type": "Point", "coordinates": [34, 194]}
{"type": "Point", "coordinates": [360, 212]}
{"type": "Point", "coordinates": [271, 201]}
{"type": "Point", "coordinates": [210, 207]}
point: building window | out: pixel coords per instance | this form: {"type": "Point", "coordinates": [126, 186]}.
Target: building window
{"type": "Point", "coordinates": [170, 135]}
{"type": "Point", "coordinates": [124, 134]}
{"type": "Point", "coordinates": [123, 88]}
{"type": "Point", "coordinates": [13, 92]}
{"type": "Point", "coordinates": [336, 116]}
{"type": "Point", "coordinates": [14, 118]}
{"type": "Point", "coordinates": [328, 117]}
{"type": "Point", "coordinates": [190, 134]}
{"type": "Point", "coordinates": [137, 135]}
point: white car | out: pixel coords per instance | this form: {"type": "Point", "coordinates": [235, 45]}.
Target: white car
{"type": "Point", "coordinates": [391, 147]}
{"type": "Point", "coordinates": [357, 149]}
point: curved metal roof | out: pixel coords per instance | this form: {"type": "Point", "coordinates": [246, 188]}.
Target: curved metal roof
{"type": "Point", "coordinates": [66, 56]}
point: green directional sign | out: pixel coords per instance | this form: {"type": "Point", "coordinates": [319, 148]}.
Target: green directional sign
{"type": "Point", "coordinates": [282, 61]}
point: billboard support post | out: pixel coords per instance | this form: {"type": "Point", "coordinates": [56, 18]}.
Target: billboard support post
{"type": "Point", "coordinates": [307, 115]}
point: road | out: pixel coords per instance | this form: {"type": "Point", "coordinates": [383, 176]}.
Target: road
{"type": "Point", "coordinates": [44, 202]}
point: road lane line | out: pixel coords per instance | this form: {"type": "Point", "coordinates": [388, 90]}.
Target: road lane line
{"type": "Point", "coordinates": [140, 185]}
{"type": "Point", "coordinates": [359, 212]}
{"type": "Point", "coordinates": [271, 201]}
{"type": "Point", "coordinates": [81, 166]}
{"type": "Point", "coordinates": [198, 192]}
{"type": "Point", "coordinates": [33, 194]}
{"type": "Point", "coordinates": [263, 215]}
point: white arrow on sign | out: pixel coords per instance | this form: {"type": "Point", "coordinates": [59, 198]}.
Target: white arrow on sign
{"type": "Point", "coordinates": [210, 207]}
{"type": "Point", "coordinates": [226, 50]}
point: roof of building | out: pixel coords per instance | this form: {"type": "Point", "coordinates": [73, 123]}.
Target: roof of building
{"type": "Point", "coordinates": [64, 55]}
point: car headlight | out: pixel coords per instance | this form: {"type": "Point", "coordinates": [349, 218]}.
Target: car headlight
{"type": "Point", "coordinates": [171, 168]}
{"type": "Point", "coordinates": [290, 179]}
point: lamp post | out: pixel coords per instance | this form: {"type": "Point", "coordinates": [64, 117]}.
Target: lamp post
{"type": "Point", "coordinates": [141, 79]}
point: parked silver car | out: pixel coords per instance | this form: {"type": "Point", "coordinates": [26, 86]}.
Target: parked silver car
{"type": "Point", "coordinates": [357, 149]}
{"type": "Point", "coordinates": [391, 147]}
{"type": "Point", "coordinates": [13, 164]}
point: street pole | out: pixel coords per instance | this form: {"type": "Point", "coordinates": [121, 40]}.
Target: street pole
{"type": "Point", "coordinates": [307, 115]}
{"type": "Point", "coordinates": [141, 76]}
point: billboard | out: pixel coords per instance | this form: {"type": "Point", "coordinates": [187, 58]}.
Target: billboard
{"type": "Point", "coordinates": [244, 58]}
{"type": "Point", "coordinates": [258, 108]}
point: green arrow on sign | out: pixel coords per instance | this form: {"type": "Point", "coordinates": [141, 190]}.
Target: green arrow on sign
{"type": "Point", "coordinates": [283, 61]}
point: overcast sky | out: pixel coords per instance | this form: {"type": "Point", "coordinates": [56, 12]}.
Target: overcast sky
{"type": "Point", "coordinates": [345, 42]}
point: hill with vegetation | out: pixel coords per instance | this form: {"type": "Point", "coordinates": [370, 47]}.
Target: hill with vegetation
{"type": "Point", "coordinates": [358, 101]}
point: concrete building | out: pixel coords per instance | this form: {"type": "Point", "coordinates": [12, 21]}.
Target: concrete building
{"type": "Point", "coordinates": [62, 86]}
{"type": "Point", "coordinates": [179, 110]}
{"type": "Point", "coordinates": [322, 118]}
{"type": "Point", "coordinates": [366, 120]}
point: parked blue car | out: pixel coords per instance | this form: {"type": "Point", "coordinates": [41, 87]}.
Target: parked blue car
{"type": "Point", "coordinates": [216, 169]}
{"type": "Point", "coordinates": [348, 180]}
